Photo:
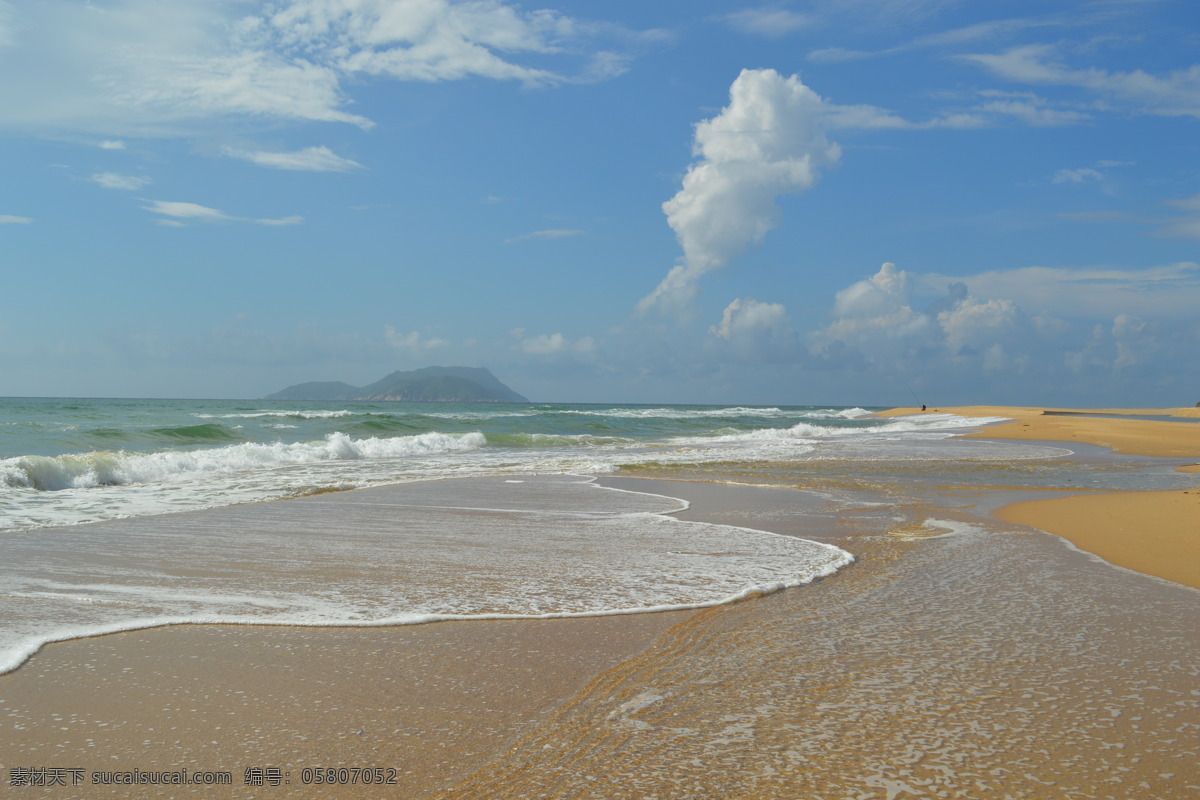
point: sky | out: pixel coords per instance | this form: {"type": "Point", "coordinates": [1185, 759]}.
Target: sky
{"type": "Point", "coordinates": [861, 202]}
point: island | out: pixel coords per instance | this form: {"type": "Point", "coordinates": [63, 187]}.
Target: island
{"type": "Point", "coordinates": [427, 385]}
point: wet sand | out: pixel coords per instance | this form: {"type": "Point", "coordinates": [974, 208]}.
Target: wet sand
{"type": "Point", "coordinates": [959, 657]}
{"type": "Point", "coordinates": [432, 702]}
{"type": "Point", "coordinates": [1157, 533]}
{"type": "Point", "coordinates": [952, 661]}
{"type": "Point", "coordinates": [1167, 435]}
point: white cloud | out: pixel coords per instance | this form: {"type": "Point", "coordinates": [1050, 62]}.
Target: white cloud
{"type": "Point", "coordinates": [757, 331]}
{"type": "Point", "coordinates": [312, 159]}
{"type": "Point", "coordinates": [423, 40]}
{"type": "Point", "coordinates": [188, 211]}
{"type": "Point", "coordinates": [744, 315]}
{"type": "Point", "coordinates": [282, 221]}
{"type": "Point", "coordinates": [412, 343]}
{"type": "Point", "coordinates": [769, 22]}
{"type": "Point", "coordinates": [883, 292]}
{"type": "Point", "coordinates": [988, 107]}
{"type": "Point", "coordinates": [838, 55]}
{"type": "Point", "coordinates": [771, 140]}
{"type": "Point", "coordinates": [145, 68]}
{"type": "Point", "coordinates": [1080, 330]}
{"type": "Point", "coordinates": [112, 180]}
{"type": "Point", "coordinates": [1138, 349]}
{"type": "Point", "coordinates": [9, 219]}
{"type": "Point", "coordinates": [1033, 113]}
{"type": "Point", "coordinates": [768, 141]}
{"type": "Point", "coordinates": [554, 344]}
{"type": "Point", "coordinates": [974, 325]}
{"type": "Point", "coordinates": [1186, 225]}
{"type": "Point", "coordinates": [1127, 333]}
{"type": "Point", "coordinates": [1077, 175]}
{"type": "Point", "coordinates": [7, 35]}
{"type": "Point", "coordinates": [554, 233]}
{"type": "Point", "coordinates": [875, 316]}
{"type": "Point", "coordinates": [179, 214]}
{"type": "Point", "coordinates": [1176, 93]}
{"type": "Point", "coordinates": [992, 29]}
{"type": "Point", "coordinates": [112, 144]}
{"type": "Point", "coordinates": [1171, 291]}
{"type": "Point", "coordinates": [875, 323]}
{"type": "Point", "coordinates": [141, 67]}
{"type": "Point", "coordinates": [1098, 175]}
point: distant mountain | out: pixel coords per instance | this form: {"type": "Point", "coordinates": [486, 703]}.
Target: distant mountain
{"type": "Point", "coordinates": [317, 390]}
{"type": "Point", "coordinates": [428, 385]}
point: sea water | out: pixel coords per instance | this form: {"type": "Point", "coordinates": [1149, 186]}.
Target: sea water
{"type": "Point", "coordinates": [69, 461]}
{"type": "Point", "coordinates": [121, 514]}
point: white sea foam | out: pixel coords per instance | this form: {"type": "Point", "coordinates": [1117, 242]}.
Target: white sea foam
{"type": "Point", "coordinates": [678, 413]}
{"type": "Point", "coordinates": [839, 413]}
{"type": "Point", "coordinates": [87, 470]}
{"type": "Point", "coordinates": [901, 438]}
{"type": "Point", "coordinates": [950, 527]}
{"type": "Point", "coordinates": [548, 546]}
{"type": "Point", "coordinates": [299, 414]}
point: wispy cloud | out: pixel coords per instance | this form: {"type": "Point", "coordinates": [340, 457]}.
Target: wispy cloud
{"type": "Point", "coordinates": [1032, 111]}
{"type": "Point", "coordinates": [312, 159]}
{"type": "Point", "coordinates": [553, 345]}
{"type": "Point", "coordinates": [137, 67]}
{"type": "Point", "coordinates": [769, 22]}
{"type": "Point", "coordinates": [112, 180]}
{"type": "Point", "coordinates": [412, 343]}
{"type": "Point", "coordinates": [554, 233]}
{"type": "Point", "coordinates": [1186, 225]}
{"type": "Point", "coordinates": [1080, 175]}
{"type": "Point", "coordinates": [1182, 224]}
{"type": "Point", "coordinates": [1097, 173]}
{"type": "Point", "coordinates": [178, 214]}
{"type": "Point", "coordinates": [1168, 291]}
{"type": "Point", "coordinates": [1175, 93]}
{"type": "Point", "coordinates": [187, 211]}
{"type": "Point", "coordinates": [9, 219]}
{"type": "Point", "coordinates": [954, 37]}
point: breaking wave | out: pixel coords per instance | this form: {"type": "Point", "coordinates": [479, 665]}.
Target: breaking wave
{"type": "Point", "coordinates": [85, 470]}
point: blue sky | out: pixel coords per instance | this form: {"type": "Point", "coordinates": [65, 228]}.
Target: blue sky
{"type": "Point", "coordinates": [794, 202]}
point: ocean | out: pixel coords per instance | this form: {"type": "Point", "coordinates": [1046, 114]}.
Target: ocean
{"type": "Point", "coordinates": [71, 461]}
{"type": "Point", "coordinates": [131, 513]}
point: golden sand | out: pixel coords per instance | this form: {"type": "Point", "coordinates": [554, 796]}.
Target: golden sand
{"type": "Point", "coordinates": [427, 703]}
{"type": "Point", "coordinates": [967, 666]}
{"type": "Point", "coordinates": [1128, 436]}
{"type": "Point", "coordinates": [1156, 533]}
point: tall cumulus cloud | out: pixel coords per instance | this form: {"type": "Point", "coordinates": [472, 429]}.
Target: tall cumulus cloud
{"type": "Point", "coordinates": [767, 142]}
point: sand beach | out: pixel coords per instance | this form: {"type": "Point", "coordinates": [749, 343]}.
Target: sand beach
{"type": "Point", "coordinates": [1157, 533]}
{"type": "Point", "coordinates": [964, 654]}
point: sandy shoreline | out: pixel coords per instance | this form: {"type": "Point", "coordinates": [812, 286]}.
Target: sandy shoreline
{"type": "Point", "coordinates": [983, 662]}
{"type": "Point", "coordinates": [938, 665]}
{"type": "Point", "coordinates": [1155, 533]}
{"type": "Point", "coordinates": [1166, 436]}
{"type": "Point", "coordinates": [431, 702]}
